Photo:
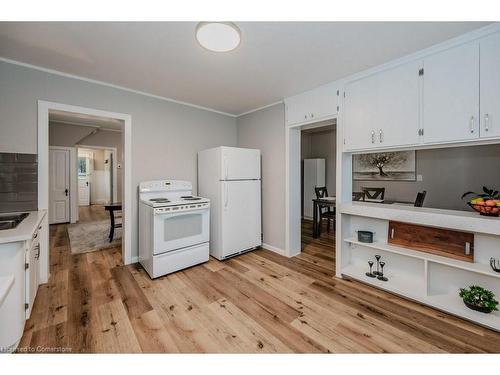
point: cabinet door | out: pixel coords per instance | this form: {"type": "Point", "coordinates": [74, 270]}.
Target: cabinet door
{"type": "Point", "coordinates": [397, 116]}
{"type": "Point", "coordinates": [382, 110]}
{"type": "Point", "coordinates": [317, 104]}
{"type": "Point", "coordinates": [359, 113]}
{"type": "Point", "coordinates": [297, 108]}
{"type": "Point", "coordinates": [323, 102]}
{"type": "Point", "coordinates": [490, 86]}
{"type": "Point", "coordinates": [451, 95]}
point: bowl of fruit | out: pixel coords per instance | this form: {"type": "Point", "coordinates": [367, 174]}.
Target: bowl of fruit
{"type": "Point", "coordinates": [486, 203]}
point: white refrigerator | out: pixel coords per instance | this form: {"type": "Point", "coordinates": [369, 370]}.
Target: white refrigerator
{"type": "Point", "coordinates": [230, 178]}
{"type": "Point", "coordinates": [313, 177]}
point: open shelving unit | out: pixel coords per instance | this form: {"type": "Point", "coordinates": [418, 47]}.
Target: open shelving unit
{"type": "Point", "coordinates": [427, 278]}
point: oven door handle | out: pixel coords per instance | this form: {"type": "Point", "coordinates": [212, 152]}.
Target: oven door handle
{"type": "Point", "coordinates": [180, 213]}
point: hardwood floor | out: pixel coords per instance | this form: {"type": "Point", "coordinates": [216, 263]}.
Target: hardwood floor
{"type": "Point", "coordinates": [257, 302]}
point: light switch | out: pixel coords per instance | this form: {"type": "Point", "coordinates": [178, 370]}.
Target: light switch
{"type": "Point", "coordinates": [420, 177]}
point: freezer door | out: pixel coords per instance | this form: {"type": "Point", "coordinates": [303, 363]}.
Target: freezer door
{"type": "Point", "coordinates": [240, 163]}
{"type": "Point", "coordinates": [241, 216]}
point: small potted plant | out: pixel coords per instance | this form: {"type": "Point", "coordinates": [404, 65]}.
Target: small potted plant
{"type": "Point", "coordinates": [478, 299]}
{"type": "Point", "coordinates": [487, 203]}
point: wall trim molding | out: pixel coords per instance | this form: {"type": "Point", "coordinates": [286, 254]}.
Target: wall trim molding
{"type": "Point", "coordinates": [97, 82]}
{"type": "Point", "coordinates": [260, 108]}
{"type": "Point", "coordinates": [273, 249]}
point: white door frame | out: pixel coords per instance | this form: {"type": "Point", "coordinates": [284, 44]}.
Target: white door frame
{"type": "Point", "coordinates": [73, 188]}
{"type": "Point", "coordinates": [114, 198]}
{"type": "Point", "coordinates": [43, 168]}
{"type": "Point", "coordinates": [292, 183]}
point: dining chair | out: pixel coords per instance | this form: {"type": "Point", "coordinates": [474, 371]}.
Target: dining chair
{"type": "Point", "coordinates": [358, 196]}
{"type": "Point", "coordinates": [373, 193]}
{"type": "Point", "coordinates": [419, 201]}
{"type": "Point", "coordinates": [325, 212]}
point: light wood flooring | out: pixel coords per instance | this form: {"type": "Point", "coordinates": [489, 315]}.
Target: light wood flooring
{"type": "Point", "coordinates": [257, 302]}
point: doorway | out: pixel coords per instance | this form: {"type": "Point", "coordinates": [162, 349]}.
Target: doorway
{"type": "Point", "coordinates": [122, 162]}
{"type": "Point", "coordinates": [294, 194]}
{"type": "Point", "coordinates": [318, 175]}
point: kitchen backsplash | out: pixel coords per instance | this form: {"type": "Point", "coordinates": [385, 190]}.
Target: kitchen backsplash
{"type": "Point", "coordinates": [18, 182]}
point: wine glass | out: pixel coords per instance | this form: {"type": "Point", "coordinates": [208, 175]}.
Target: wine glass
{"type": "Point", "coordinates": [370, 274]}
{"type": "Point", "coordinates": [381, 276]}
{"type": "Point", "coordinates": [377, 257]}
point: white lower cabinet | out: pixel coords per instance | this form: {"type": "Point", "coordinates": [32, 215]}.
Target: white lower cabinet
{"type": "Point", "coordinates": [32, 272]}
{"type": "Point", "coordinates": [451, 95]}
{"type": "Point", "coordinates": [382, 110]}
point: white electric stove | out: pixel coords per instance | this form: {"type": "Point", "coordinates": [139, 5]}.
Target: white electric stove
{"type": "Point", "coordinates": [174, 227]}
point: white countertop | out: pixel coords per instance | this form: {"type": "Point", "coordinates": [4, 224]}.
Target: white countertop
{"type": "Point", "coordinates": [25, 229]}
{"type": "Point", "coordinates": [459, 220]}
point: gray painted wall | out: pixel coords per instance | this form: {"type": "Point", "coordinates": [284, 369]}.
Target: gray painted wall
{"type": "Point", "coordinates": [166, 136]}
{"type": "Point", "coordinates": [265, 130]}
{"type": "Point", "coordinates": [67, 135]}
{"type": "Point", "coordinates": [447, 174]}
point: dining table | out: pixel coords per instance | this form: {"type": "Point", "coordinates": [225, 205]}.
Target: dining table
{"type": "Point", "coordinates": [318, 204]}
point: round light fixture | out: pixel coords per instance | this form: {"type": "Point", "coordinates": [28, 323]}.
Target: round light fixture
{"type": "Point", "coordinates": [218, 36]}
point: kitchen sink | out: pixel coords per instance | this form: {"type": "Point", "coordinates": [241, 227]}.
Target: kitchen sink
{"type": "Point", "coordinates": [10, 221]}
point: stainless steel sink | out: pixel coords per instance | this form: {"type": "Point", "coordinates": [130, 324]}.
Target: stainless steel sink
{"type": "Point", "coordinates": [10, 221]}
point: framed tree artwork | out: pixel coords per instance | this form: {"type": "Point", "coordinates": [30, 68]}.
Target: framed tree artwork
{"type": "Point", "coordinates": [385, 166]}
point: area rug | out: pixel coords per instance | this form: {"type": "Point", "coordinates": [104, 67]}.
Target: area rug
{"type": "Point", "coordinates": [93, 236]}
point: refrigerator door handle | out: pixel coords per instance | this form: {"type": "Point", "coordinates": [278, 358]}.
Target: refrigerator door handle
{"type": "Point", "coordinates": [225, 168]}
{"type": "Point", "coordinates": [226, 198]}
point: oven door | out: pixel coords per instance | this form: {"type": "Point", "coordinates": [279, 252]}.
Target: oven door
{"type": "Point", "coordinates": [178, 230]}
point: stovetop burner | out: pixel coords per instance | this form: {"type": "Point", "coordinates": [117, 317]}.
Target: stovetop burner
{"type": "Point", "coordinates": [190, 198]}
{"type": "Point", "coordinates": [159, 200]}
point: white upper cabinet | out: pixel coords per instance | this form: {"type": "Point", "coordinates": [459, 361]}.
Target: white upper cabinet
{"type": "Point", "coordinates": [382, 110]}
{"type": "Point", "coordinates": [451, 95]}
{"type": "Point", "coordinates": [490, 86]}
{"type": "Point", "coordinates": [311, 106]}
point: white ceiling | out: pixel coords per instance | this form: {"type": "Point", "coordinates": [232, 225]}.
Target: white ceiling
{"type": "Point", "coordinates": [275, 59]}
{"type": "Point", "coordinates": [85, 120]}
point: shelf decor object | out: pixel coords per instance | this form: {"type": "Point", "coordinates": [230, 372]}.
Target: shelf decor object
{"type": "Point", "coordinates": [438, 241]}
{"type": "Point", "coordinates": [486, 203]}
{"type": "Point", "coordinates": [479, 299]}
{"type": "Point", "coordinates": [370, 274]}
{"type": "Point", "coordinates": [381, 276]}
{"type": "Point", "coordinates": [495, 265]}
{"type": "Point", "coordinates": [365, 236]}
{"type": "Point", "coordinates": [377, 258]}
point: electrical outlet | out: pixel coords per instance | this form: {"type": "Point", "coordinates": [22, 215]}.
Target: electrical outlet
{"type": "Point", "coordinates": [420, 177]}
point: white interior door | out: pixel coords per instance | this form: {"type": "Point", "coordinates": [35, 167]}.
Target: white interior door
{"type": "Point", "coordinates": [451, 94]}
{"type": "Point", "coordinates": [59, 186]}
{"type": "Point", "coordinates": [83, 191]}
{"type": "Point", "coordinates": [240, 163]}
{"type": "Point", "coordinates": [241, 216]}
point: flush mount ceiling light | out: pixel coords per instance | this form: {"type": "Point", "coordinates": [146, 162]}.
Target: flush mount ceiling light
{"type": "Point", "coordinates": [218, 36]}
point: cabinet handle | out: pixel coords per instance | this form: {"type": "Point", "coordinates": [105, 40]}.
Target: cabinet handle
{"type": "Point", "coordinates": [312, 115]}
{"type": "Point", "coordinates": [373, 136]}
{"type": "Point", "coordinates": [486, 122]}
{"type": "Point", "coordinates": [305, 117]}
{"type": "Point", "coordinates": [380, 136]}
{"type": "Point", "coordinates": [472, 124]}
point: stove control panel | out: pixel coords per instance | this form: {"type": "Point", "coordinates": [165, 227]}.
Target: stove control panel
{"type": "Point", "coordinates": [184, 207]}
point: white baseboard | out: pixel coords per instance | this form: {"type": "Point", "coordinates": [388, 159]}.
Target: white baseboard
{"type": "Point", "coordinates": [273, 249]}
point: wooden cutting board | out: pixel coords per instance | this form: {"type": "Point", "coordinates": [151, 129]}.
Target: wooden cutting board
{"type": "Point", "coordinates": [444, 242]}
